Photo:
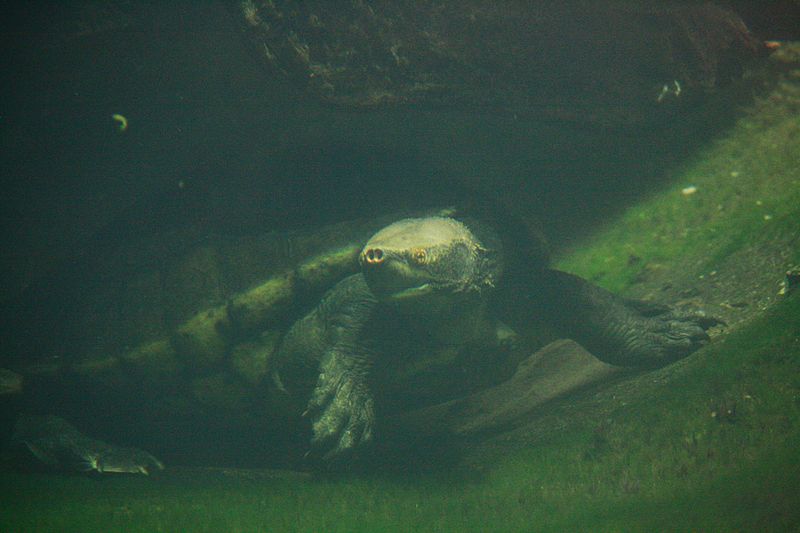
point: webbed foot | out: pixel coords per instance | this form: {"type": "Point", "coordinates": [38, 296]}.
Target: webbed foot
{"type": "Point", "coordinates": [620, 331]}
{"type": "Point", "coordinates": [658, 338]}
{"type": "Point", "coordinates": [57, 443]}
{"type": "Point", "coordinates": [105, 458]}
{"type": "Point", "coordinates": [342, 414]}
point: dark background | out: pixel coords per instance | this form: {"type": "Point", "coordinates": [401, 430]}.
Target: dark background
{"type": "Point", "coordinates": [247, 150]}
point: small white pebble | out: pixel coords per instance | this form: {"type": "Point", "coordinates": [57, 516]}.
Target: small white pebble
{"type": "Point", "coordinates": [687, 191]}
{"type": "Point", "coordinates": [767, 217]}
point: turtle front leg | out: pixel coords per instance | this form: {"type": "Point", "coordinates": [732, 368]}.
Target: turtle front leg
{"type": "Point", "coordinates": [618, 331]}
{"type": "Point", "coordinates": [325, 357]}
{"type": "Point", "coordinates": [341, 407]}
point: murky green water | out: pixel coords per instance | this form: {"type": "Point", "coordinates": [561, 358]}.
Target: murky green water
{"type": "Point", "coordinates": [150, 274]}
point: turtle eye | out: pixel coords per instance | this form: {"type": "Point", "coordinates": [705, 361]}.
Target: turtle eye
{"type": "Point", "coordinates": [419, 256]}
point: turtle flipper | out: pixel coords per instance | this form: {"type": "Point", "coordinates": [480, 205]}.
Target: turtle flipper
{"type": "Point", "coordinates": [107, 458]}
{"type": "Point", "coordinates": [619, 331]}
{"type": "Point", "coordinates": [634, 339]}
{"type": "Point", "coordinates": [341, 409]}
{"type": "Point", "coordinates": [57, 443]}
{"type": "Point", "coordinates": [325, 357]}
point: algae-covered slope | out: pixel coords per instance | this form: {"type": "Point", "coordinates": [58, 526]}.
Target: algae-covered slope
{"type": "Point", "coordinates": [726, 229]}
{"type": "Point", "coordinates": [707, 444]}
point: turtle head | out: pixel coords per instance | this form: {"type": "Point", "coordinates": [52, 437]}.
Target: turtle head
{"type": "Point", "coordinates": [422, 259]}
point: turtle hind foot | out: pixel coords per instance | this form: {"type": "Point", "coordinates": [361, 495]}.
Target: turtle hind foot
{"type": "Point", "coordinates": [114, 459]}
{"type": "Point", "coordinates": [655, 339]}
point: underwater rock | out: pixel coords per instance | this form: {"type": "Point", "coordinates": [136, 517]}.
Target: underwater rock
{"type": "Point", "coordinates": [791, 282]}
{"type": "Point", "coordinates": [560, 368]}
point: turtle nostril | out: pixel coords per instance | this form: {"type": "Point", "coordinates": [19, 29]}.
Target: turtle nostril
{"type": "Point", "coordinates": [373, 256]}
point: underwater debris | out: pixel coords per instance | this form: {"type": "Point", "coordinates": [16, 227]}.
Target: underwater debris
{"type": "Point", "coordinates": [724, 411]}
{"type": "Point", "coordinates": [791, 281]}
{"type": "Point", "coordinates": [123, 122]}
{"type": "Point", "coordinates": [669, 91]}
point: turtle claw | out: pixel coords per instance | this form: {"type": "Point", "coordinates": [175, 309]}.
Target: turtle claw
{"type": "Point", "coordinates": [670, 336]}
{"type": "Point", "coordinates": [113, 459]}
{"type": "Point", "coordinates": [342, 419]}
{"type": "Point", "coordinates": [91, 463]}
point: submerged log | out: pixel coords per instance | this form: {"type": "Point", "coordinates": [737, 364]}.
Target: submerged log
{"type": "Point", "coordinates": [569, 60]}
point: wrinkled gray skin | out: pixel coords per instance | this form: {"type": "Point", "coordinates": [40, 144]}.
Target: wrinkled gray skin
{"type": "Point", "coordinates": [432, 278]}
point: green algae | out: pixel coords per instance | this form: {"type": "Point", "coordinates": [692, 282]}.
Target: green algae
{"type": "Point", "coordinates": [740, 189]}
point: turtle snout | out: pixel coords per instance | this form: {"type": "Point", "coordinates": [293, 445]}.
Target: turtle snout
{"type": "Point", "coordinates": [373, 256]}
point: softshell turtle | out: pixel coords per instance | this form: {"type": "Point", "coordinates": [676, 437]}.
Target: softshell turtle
{"type": "Point", "coordinates": [413, 316]}
{"type": "Point", "coordinates": [429, 285]}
